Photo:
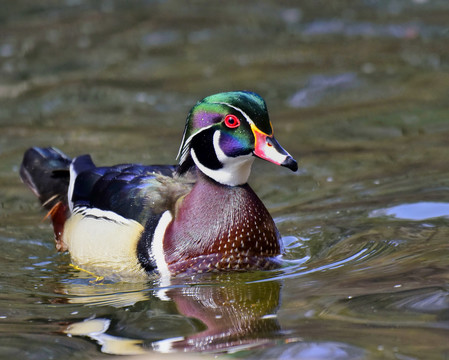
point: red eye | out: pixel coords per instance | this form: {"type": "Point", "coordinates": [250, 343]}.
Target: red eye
{"type": "Point", "coordinates": [231, 121]}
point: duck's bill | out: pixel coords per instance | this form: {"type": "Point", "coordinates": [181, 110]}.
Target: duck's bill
{"type": "Point", "coordinates": [267, 148]}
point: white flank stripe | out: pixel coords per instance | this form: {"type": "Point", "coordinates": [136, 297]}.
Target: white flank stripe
{"type": "Point", "coordinates": [157, 246]}
{"type": "Point", "coordinates": [71, 186]}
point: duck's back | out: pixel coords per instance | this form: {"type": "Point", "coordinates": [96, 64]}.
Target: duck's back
{"type": "Point", "coordinates": [136, 192]}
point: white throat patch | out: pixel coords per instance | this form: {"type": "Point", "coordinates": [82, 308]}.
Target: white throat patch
{"type": "Point", "coordinates": [235, 170]}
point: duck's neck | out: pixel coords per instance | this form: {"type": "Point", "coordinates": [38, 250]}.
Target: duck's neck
{"type": "Point", "coordinates": [219, 227]}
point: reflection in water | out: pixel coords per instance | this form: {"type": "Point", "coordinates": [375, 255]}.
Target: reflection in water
{"type": "Point", "coordinates": [82, 289]}
{"type": "Point", "coordinates": [224, 317]}
{"type": "Point", "coordinates": [237, 315]}
{"type": "Point", "coordinates": [96, 330]}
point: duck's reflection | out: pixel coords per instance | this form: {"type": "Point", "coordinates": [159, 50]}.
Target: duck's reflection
{"type": "Point", "coordinates": [214, 317]}
{"type": "Point", "coordinates": [234, 315]}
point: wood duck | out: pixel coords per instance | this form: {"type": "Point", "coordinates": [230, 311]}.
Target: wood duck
{"type": "Point", "coordinates": [198, 216]}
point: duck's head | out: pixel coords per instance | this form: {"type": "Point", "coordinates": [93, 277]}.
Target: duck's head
{"type": "Point", "coordinates": [224, 132]}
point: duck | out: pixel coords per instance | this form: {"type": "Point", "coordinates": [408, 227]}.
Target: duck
{"type": "Point", "coordinates": [198, 216]}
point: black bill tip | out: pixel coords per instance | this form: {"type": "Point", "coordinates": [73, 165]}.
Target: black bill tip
{"type": "Point", "coordinates": [290, 163]}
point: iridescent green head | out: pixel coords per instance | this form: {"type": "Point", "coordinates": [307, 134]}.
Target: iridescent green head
{"type": "Point", "coordinates": [222, 134]}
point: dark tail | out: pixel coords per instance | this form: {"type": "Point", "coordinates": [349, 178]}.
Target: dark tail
{"type": "Point", "coordinates": [46, 172]}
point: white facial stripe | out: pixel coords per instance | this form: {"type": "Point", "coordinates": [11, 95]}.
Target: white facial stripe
{"type": "Point", "coordinates": [182, 153]}
{"type": "Point", "coordinates": [183, 150]}
{"type": "Point", "coordinates": [235, 170]}
{"type": "Point", "coordinates": [247, 118]}
{"type": "Point", "coordinates": [205, 170]}
{"type": "Point", "coordinates": [220, 154]}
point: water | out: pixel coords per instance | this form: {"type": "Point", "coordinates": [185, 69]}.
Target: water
{"type": "Point", "coordinates": [357, 91]}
